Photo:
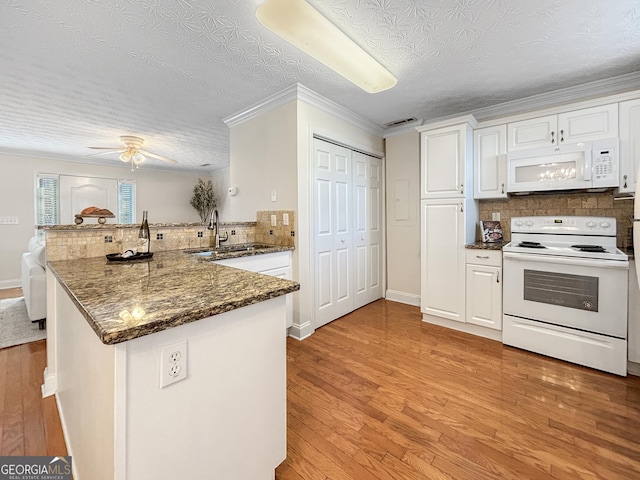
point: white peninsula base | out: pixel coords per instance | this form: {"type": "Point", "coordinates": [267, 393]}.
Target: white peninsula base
{"type": "Point", "coordinates": [226, 420]}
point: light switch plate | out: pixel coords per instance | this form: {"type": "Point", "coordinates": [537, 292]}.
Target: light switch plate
{"type": "Point", "coordinates": [273, 220]}
{"type": "Point", "coordinates": [285, 219]}
{"type": "Point", "coordinates": [274, 195]}
{"type": "Point", "coordinates": [495, 216]}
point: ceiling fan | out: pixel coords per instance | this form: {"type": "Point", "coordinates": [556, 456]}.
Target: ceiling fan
{"type": "Point", "coordinates": [131, 151]}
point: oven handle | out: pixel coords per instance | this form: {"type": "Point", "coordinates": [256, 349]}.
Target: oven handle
{"type": "Point", "coordinates": [582, 262]}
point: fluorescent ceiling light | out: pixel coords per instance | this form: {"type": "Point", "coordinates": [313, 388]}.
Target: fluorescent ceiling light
{"type": "Point", "coordinates": [301, 25]}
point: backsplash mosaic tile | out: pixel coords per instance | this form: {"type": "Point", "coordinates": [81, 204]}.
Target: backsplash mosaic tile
{"type": "Point", "coordinates": [585, 204]}
{"type": "Point", "coordinates": [67, 242]}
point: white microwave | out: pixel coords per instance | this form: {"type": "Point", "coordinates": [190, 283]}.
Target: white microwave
{"type": "Point", "coordinates": [584, 165]}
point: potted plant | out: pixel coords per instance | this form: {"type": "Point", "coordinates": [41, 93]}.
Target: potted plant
{"type": "Point", "coordinates": [204, 199]}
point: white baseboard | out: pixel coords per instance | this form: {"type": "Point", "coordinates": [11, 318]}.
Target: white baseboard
{"type": "Point", "coordinates": [402, 297]}
{"type": "Point", "coordinates": [13, 283]}
{"type": "Point", "coordinates": [63, 423]}
{"type": "Point", "coordinates": [301, 331]}
{"type": "Point", "coordinates": [464, 327]}
{"type": "Point", "coordinates": [633, 368]}
{"type": "Point", "coordinates": [50, 384]}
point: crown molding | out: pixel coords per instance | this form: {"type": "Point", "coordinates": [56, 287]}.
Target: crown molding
{"type": "Point", "coordinates": [303, 94]}
{"type": "Point", "coordinates": [592, 90]}
{"type": "Point", "coordinates": [448, 122]}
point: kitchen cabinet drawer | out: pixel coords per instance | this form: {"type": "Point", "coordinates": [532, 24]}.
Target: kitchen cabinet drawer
{"type": "Point", "coordinates": [484, 257]}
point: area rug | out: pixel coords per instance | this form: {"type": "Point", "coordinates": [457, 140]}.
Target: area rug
{"type": "Point", "coordinates": [15, 326]}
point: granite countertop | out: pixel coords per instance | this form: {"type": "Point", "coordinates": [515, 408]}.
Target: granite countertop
{"type": "Point", "coordinates": [236, 251]}
{"type": "Point", "coordinates": [125, 300]}
{"type": "Point", "coordinates": [98, 226]}
{"type": "Point", "coordinates": [486, 246]}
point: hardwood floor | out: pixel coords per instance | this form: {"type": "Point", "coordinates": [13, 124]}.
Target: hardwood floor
{"type": "Point", "coordinates": [378, 394]}
{"type": "Point", "coordinates": [29, 424]}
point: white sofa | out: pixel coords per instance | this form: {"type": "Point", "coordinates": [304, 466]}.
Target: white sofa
{"type": "Point", "coordinates": [34, 286]}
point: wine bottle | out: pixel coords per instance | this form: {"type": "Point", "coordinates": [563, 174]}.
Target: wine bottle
{"type": "Point", "coordinates": [144, 237]}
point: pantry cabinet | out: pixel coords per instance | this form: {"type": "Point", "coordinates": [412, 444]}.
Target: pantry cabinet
{"type": "Point", "coordinates": [490, 162]}
{"type": "Point", "coordinates": [587, 124]}
{"type": "Point", "coordinates": [629, 145]}
{"type": "Point", "coordinates": [448, 220]}
{"type": "Point", "coordinates": [484, 288]}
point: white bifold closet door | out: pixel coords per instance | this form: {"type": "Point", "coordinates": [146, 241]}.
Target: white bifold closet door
{"type": "Point", "coordinates": [347, 230]}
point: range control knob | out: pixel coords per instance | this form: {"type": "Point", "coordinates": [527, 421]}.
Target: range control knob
{"type": "Point", "coordinates": [529, 223]}
{"type": "Point", "coordinates": [591, 224]}
{"type": "Point", "coordinates": [605, 225]}
{"type": "Point", "coordinates": [518, 223]}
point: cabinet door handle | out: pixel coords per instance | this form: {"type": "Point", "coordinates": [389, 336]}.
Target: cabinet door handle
{"type": "Point", "coordinates": [553, 140]}
{"type": "Point", "coordinates": [562, 135]}
{"type": "Point", "coordinates": [497, 277]}
{"type": "Point", "coordinates": [503, 188]}
{"type": "Point", "coordinates": [462, 207]}
{"type": "Point", "coordinates": [462, 189]}
{"type": "Point", "coordinates": [625, 181]}
{"type": "Point", "coordinates": [342, 240]}
{"type": "Point", "coordinates": [486, 257]}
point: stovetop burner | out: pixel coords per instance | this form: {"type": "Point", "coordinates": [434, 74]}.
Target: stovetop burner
{"type": "Point", "coordinates": [527, 244]}
{"type": "Point", "coordinates": [590, 248]}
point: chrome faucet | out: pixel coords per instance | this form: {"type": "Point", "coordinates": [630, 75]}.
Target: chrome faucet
{"type": "Point", "coordinates": [214, 225]}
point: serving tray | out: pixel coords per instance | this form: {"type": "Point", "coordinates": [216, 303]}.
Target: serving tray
{"type": "Point", "coordinates": [117, 257]}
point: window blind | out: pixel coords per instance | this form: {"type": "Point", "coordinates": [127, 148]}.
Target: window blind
{"type": "Point", "coordinates": [126, 201]}
{"type": "Point", "coordinates": [47, 209]}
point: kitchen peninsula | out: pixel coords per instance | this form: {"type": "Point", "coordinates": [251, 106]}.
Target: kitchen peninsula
{"type": "Point", "coordinates": [109, 327]}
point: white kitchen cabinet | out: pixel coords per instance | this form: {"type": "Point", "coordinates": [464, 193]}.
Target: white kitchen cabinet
{"type": "Point", "coordinates": [629, 145]}
{"type": "Point", "coordinates": [276, 264]}
{"type": "Point", "coordinates": [442, 252]}
{"type": "Point", "coordinates": [634, 316]}
{"type": "Point", "coordinates": [490, 162]}
{"type": "Point", "coordinates": [444, 155]}
{"type": "Point", "coordinates": [484, 288]}
{"type": "Point", "coordinates": [587, 124]}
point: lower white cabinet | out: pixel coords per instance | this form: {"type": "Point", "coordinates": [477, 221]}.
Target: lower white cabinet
{"type": "Point", "coordinates": [447, 226]}
{"type": "Point", "coordinates": [634, 316]}
{"type": "Point", "coordinates": [274, 264]}
{"type": "Point", "coordinates": [484, 288]}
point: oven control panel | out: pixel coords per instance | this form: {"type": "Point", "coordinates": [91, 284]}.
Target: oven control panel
{"type": "Point", "coordinates": [565, 224]}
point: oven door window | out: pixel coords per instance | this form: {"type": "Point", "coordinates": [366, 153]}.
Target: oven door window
{"type": "Point", "coordinates": [562, 289]}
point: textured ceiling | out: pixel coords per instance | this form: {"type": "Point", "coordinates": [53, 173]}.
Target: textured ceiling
{"type": "Point", "coordinates": [80, 73]}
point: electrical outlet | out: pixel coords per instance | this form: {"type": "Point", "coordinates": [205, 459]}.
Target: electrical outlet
{"type": "Point", "coordinates": [173, 363]}
{"type": "Point", "coordinates": [273, 221]}
{"type": "Point", "coordinates": [495, 216]}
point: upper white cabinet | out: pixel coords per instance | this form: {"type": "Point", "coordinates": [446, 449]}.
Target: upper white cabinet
{"type": "Point", "coordinates": [489, 162]}
{"type": "Point", "coordinates": [580, 125]}
{"type": "Point", "coordinates": [444, 152]}
{"type": "Point", "coordinates": [629, 145]}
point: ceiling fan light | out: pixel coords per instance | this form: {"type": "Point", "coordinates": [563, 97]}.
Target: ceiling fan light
{"type": "Point", "coordinates": [300, 24]}
{"type": "Point", "coordinates": [138, 158]}
{"type": "Point", "coordinates": [125, 156]}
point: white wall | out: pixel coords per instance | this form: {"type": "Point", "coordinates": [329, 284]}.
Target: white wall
{"type": "Point", "coordinates": [165, 195]}
{"type": "Point", "coordinates": [403, 219]}
{"type": "Point", "coordinates": [263, 158]}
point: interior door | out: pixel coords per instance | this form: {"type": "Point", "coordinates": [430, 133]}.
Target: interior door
{"type": "Point", "coordinates": [367, 184]}
{"type": "Point", "coordinates": [332, 230]}
{"type": "Point", "coordinates": [78, 193]}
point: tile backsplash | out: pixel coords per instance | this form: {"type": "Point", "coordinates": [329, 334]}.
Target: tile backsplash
{"type": "Point", "coordinates": [67, 242]}
{"type": "Point", "coordinates": [583, 204]}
